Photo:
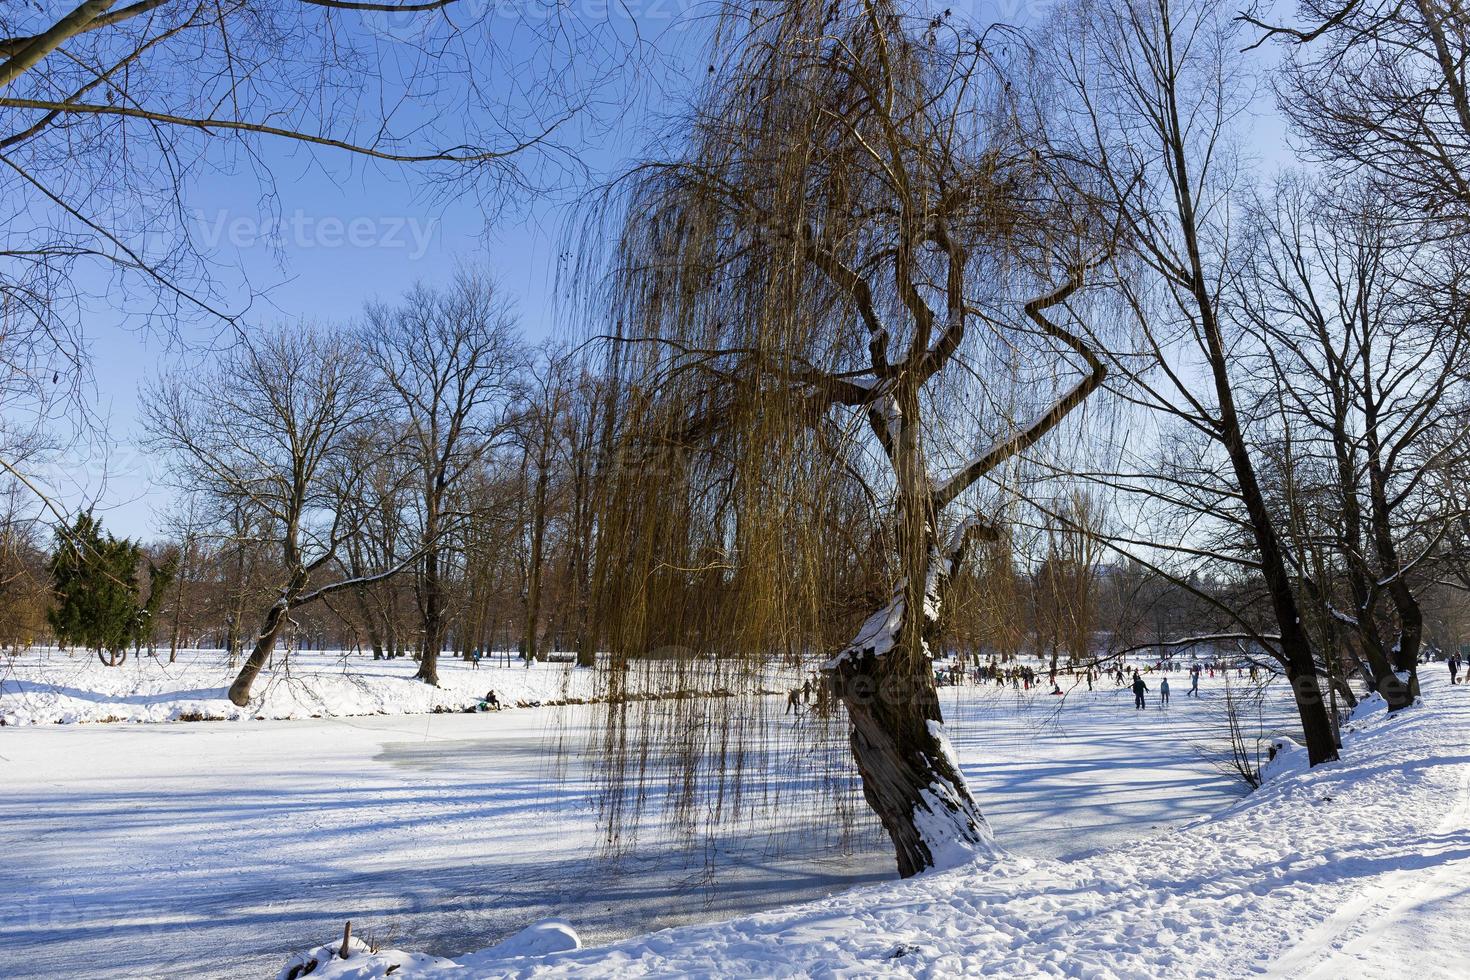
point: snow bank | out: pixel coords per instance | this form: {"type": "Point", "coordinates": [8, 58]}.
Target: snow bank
{"type": "Point", "coordinates": [1349, 869]}
{"type": "Point", "coordinates": [1287, 757]}
{"type": "Point", "coordinates": [364, 963]}
{"type": "Point", "coordinates": [541, 939]}
{"type": "Point", "coordinates": [54, 687]}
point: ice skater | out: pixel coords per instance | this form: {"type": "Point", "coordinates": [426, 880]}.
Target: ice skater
{"type": "Point", "coordinates": [1138, 688]}
{"type": "Point", "coordinates": [1454, 668]}
{"type": "Point", "coordinates": [1164, 693]}
{"type": "Point", "coordinates": [1194, 682]}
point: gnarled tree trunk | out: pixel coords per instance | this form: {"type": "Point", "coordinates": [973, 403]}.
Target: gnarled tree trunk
{"type": "Point", "coordinates": [885, 680]}
{"type": "Point", "coordinates": [910, 777]}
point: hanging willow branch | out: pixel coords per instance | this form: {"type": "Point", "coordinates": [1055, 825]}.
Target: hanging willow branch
{"type": "Point", "coordinates": [817, 299]}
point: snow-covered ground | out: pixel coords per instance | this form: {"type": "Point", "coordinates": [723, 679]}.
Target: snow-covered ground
{"type": "Point", "coordinates": [1357, 869]}
{"type": "Point", "coordinates": [220, 848]}
{"type": "Point", "coordinates": [47, 686]}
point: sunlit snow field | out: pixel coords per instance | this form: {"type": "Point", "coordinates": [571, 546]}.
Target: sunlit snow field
{"type": "Point", "coordinates": [128, 848]}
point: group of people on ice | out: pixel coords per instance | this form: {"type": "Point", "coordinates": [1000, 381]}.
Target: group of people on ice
{"type": "Point", "coordinates": [1017, 676]}
{"type": "Point", "coordinates": [1024, 677]}
{"type": "Point", "coordinates": [812, 689]}
{"type": "Point", "coordinates": [1140, 689]}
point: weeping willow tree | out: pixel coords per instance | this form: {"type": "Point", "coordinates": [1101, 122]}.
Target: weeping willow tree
{"type": "Point", "coordinates": [841, 306]}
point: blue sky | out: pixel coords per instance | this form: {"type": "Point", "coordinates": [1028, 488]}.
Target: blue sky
{"type": "Point", "coordinates": [345, 243]}
{"type": "Point", "coordinates": [338, 235]}
{"type": "Point", "coordinates": [352, 234]}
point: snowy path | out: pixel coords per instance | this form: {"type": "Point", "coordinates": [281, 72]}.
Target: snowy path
{"type": "Point", "coordinates": [134, 846]}
{"type": "Point", "coordinates": [1424, 898]}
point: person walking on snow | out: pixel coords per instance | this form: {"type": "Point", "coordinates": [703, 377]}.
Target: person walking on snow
{"type": "Point", "coordinates": [1164, 693]}
{"type": "Point", "coordinates": [1138, 688]}
{"type": "Point", "coordinates": [1454, 668]}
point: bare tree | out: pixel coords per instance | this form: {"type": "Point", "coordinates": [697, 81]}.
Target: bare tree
{"type": "Point", "coordinates": [1365, 324]}
{"type": "Point", "coordinates": [584, 423]}
{"type": "Point", "coordinates": [382, 523]}
{"type": "Point", "coordinates": [448, 358]}
{"type": "Point", "coordinates": [539, 431]}
{"type": "Point", "coordinates": [1066, 583]}
{"type": "Point", "coordinates": [186, 554]}
{"type": "Point", "coordinates": [1379, 90]}
{"type": "Point", "coordinates": [113, 112]}
{"type": "Point", "coordinates": [24, 586]}
{"type": "Point", "coordinates": [1152, 93]}
{"type": "Point", "coordinates": [268, 430]}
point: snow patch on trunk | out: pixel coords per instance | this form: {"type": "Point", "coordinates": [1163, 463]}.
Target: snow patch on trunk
{"type": "Point", "coordinates": [947, 830]}
{"type": "Point", "coordinates": [878, 634]}
{"type": "Point", "coordinates": [936, 729]}
{"type": "Point", "coordinates": [955, 834]}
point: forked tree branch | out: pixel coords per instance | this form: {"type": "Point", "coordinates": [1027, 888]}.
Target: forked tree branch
{"type": "Point", "coordinates": [1030, 434]}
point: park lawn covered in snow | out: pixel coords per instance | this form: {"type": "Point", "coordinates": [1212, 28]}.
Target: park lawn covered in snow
{"type": "Point", "coordinates": [49, 686]}
{"type": "Point", "coordinates": [1358, 869]}
{"type": "Point", "coordinates": [131, 848]}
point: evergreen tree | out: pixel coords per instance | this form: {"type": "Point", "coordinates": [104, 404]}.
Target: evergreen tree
{"type": "Point", "coordinates": [99, 602]}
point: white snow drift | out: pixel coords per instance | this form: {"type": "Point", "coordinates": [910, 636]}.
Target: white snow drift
{"type": "Point", "coordinates": [44, 687]}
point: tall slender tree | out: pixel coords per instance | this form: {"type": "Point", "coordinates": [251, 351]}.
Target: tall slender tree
{"type": "Point", "coordinates": [447, 359]}
{"type": "Point", "coordinates": [1150, 95]}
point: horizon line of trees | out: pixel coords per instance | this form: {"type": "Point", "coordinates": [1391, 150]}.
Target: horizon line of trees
{"type": "Point", "coordinates": [1062, 597]}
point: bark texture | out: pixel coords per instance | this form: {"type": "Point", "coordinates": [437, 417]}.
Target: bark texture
{"type": "Point", "coordinates": [910, 779]}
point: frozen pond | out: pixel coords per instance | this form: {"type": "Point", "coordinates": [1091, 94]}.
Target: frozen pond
{"type": "Point", "coordinates": [130, 846]}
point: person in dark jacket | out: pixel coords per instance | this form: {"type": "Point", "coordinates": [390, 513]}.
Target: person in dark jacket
{"type": "Point", "coordinates": [1138, 688]}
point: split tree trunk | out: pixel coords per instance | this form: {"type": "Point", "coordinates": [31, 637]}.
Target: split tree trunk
{"type": "Point", "coordinates": [885, 680]}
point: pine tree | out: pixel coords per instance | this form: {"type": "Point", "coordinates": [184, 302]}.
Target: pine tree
{"type": "Point", "coordinates": [99, 602]}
